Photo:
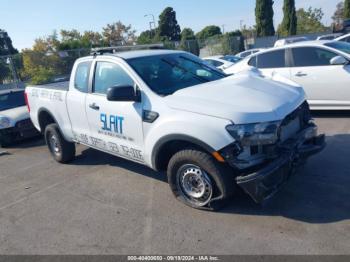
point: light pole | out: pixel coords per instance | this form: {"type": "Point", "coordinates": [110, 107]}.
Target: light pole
{"type": "Point", "coordinates": [150, 23]}
{"type": "Point", "coordinates": [3, 34]}
{"type": "Point", "coordinates": [223, 29]}
{"type": "Point", "coordinates": [241, 24]}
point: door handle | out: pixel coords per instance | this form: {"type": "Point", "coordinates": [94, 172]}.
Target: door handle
{"type": "Point", "coordinates": [94, 106]}
{"type": "Point", "coordinates": [300, 74]}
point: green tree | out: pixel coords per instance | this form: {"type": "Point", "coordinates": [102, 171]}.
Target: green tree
{"type": "Point", "coordinates": [289, 23]}
{"type": "Point", "coordinates": [187, 34]}
{"type": "Point", "coordinates": [41, 63]}
{"type": "Point", "coordinates": [168, 27]}
{"type": "Point", "coordinates": [188, 41]}
{"type": "Point", "coordinates": [5, 72]}
{"type": "Point", "coordinates": [91, 39]}
{"type": "Point", "coordinates": [118, 34]}
{"type": "Point", "coordinates": [5, 41]}
{"type": "Point", "coordinates": [6, 48]}
{"type": "Point", "coordinates": [338, 15]}
{"type": "Point", "coordinates": [310, 21]}
{"type": "Point", "coordinates": [147, 37]}
{"type": "Point", "coordinates": [347, 9]}
{"type": "Point", "coordinates": [264, 18]}
{"type": "Point", "coordinates": [233, 42]}
{"type": "Point", "coordinates": [208, 31]}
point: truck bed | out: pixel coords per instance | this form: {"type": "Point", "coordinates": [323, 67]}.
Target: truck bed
{"type": "Point", "coordinates": [63, 86]}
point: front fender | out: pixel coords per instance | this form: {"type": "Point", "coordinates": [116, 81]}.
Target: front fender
{"type": "Point", "coordinates": [204, 131]}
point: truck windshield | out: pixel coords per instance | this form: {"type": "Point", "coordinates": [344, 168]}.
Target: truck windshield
{"type": "Point", "coordinates": [341, 46]}
{"type": "Point", "coordinates": [166, 74]}
{"type": "Point", "coordinates": [11, 100]}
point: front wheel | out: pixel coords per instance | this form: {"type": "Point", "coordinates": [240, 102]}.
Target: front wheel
{"type": "Point", "coordinates": [61, 150]}
{"type": "Point", "coordinates": [198, 181]}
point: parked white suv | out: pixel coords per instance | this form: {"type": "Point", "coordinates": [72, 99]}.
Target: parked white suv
{"type": "Point", "coordinates": [170, 111]}
{"type": "Point", "coordinates": [321, 67]}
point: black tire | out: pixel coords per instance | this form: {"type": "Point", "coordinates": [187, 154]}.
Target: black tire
{"type": "Point", "coordinates": [183, 165]}
{"type": "Point", "coordinates": [61, 150]}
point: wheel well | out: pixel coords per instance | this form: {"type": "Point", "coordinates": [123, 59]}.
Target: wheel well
{"type": "Point", "coordinates": [168, 149]}
{"type": "Point", "coordinates": [45, 119]}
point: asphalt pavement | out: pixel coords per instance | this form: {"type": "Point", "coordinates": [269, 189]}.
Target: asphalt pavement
{"type": "Point", "coordinates": [101, 204]}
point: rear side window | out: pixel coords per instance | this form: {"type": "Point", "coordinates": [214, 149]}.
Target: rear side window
{"type": "Point", "coordinates": [252, 61]}
{"type": "Point", "coordinates": [107, 75]}
{"type": "Point", "coordinates": [11, 100]}
{"type": "Point", "coordinates": [346, 39]}
{"type": "Point", "coordinates": [214, 62]}
{"type": "Point", "coordinates": [245, 54]}
{"type": "Point", "coordinates": [275, 59]}
{"type": "Point", "coordinates": [311, 56]}
{"type": "Point", "coordinates": [81, 81]}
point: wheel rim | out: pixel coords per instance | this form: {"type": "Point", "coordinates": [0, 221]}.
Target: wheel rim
{"type": "Point", "coordinates": [54, 144]}
{"type": "Point", "coordinates": [194, 184]}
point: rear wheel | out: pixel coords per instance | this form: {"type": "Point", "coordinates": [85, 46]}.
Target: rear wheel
{"type": "Point", "coordinates": [61, 150]}
{"type": "Point", "coordinates": [197, 180]}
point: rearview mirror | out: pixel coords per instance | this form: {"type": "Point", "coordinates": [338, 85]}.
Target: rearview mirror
{"type": "Point", "coordinates": [123, 94]}
{"type": "Point", "coordinates": [339, 60]}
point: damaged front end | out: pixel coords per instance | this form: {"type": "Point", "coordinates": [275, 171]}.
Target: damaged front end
{"type": "Point", "coordinates": [266, 158]}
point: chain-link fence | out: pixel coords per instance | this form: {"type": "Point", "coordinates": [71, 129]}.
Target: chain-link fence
{"type": "Point", "coordinates": [37, 67]}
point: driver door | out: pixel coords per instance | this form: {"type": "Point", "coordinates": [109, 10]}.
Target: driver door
{"type": "Point", "coordinates": [115, 127]}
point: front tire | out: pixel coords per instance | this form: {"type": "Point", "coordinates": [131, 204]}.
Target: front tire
{"type": "Point", "coordinates": [61, 150]}
{"type": "Point", "coordinates": [198, 181]}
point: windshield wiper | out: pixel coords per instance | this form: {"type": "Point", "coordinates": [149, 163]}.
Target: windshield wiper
{"type": "Point", "coordinates": [201, 79]}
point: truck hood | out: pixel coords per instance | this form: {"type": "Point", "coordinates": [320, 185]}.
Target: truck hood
{"type": "Point", "coordinates": [243, 98]}
{"type": "Point", "coordinates": [16, 114]}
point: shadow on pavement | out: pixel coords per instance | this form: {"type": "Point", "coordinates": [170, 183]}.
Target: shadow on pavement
{"type": "Point", "coordinates": [319, 193]}
{"type": "Point", "coordinates": [94, 157]}
{"type": "Point", "coordinates": [26, 143]}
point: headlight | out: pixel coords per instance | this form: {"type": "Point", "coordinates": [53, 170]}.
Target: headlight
{"type": "Point", "coordinates": [255, 134]}
{"type": "Point", "coordinates": [4, 122]}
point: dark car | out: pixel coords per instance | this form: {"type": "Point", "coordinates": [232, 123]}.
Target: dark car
{"type": "Point", "coordinates": [15, 123]}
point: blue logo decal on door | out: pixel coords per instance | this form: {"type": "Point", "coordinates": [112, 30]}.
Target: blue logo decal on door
{"type": "Point", "coordinates": [112, 123]}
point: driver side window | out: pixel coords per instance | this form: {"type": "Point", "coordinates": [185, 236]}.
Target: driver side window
{"type": "Point", "coordinates": [109, 74]}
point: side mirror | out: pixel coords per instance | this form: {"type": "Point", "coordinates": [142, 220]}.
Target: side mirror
{"type": "Point", "coordinates": [123, 94]}
{"type": "Point", "coordinates": [339, 60]}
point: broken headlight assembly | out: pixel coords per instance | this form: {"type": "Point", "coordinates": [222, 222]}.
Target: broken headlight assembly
{"type": "Point", "coordinates": [255, 134]}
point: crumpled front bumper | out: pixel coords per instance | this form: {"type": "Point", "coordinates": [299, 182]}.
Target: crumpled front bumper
{"type": "Point", "coordinates": [265, 182]}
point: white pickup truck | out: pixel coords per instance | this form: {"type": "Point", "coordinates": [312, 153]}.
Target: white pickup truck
{"type": "Point", "coordinates": [172, 112]}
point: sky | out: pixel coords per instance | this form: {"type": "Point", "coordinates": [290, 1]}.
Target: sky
{"type": "Point", "coordinates": [26, 20]}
